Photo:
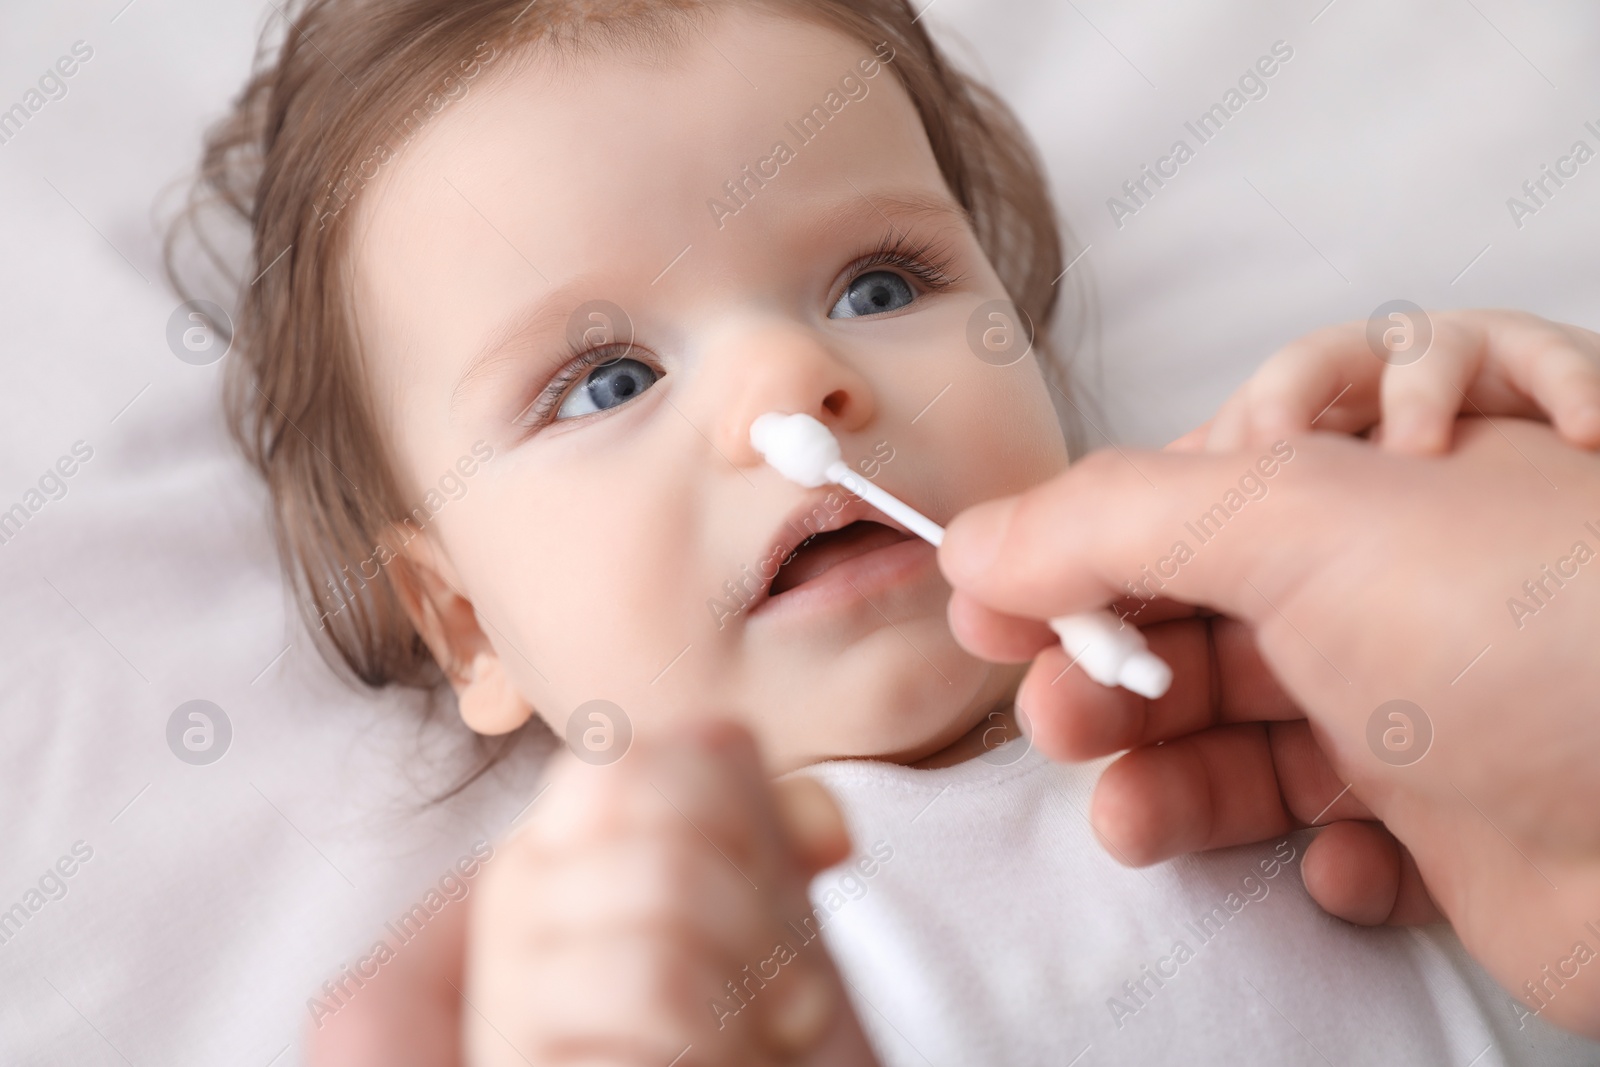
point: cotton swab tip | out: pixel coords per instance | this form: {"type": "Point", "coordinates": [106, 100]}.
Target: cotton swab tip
{"type": "Point", "coordinates": [797, 446]}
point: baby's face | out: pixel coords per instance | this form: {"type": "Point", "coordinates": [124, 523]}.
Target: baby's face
{"type": "Point", "coordinates": [617, 545]}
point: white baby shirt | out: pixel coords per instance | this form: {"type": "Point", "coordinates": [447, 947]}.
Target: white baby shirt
{"type": "Point", "coordinates": [979, 922]}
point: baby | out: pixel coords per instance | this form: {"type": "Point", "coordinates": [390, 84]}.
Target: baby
{"type": "Point", "coordinates": [560, 255]}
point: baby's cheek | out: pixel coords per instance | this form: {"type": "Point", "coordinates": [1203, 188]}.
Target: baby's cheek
{"type": "Point", "coordinates": [600, 605]}
{"type": "Point", "coordinates": [1000, 436]}
{"type": "Point", "coordinates": [1033, 447]}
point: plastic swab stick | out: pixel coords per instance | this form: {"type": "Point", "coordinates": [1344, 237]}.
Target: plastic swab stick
{"type": "Point", "coordinates": [805, 451]}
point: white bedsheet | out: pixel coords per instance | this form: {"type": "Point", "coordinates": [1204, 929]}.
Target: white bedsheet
{"type": "Point", "coordinates": [216, 897]}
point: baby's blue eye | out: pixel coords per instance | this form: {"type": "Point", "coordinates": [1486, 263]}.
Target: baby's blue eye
{"type": "Point", "coordinates": [873, 293]}
{"type": "Point", "coordinates": [607, 386]}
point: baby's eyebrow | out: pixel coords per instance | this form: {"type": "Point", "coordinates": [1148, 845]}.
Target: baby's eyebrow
{"type": "Point", "coordinates": [548, 313]}
{"type": "Point", "coordinates": [907, 206]}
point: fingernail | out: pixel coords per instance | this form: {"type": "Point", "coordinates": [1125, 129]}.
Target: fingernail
{"type": "Point", "coordinates": [972, 543]}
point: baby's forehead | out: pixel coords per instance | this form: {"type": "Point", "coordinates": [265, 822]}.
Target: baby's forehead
{"type": "Point", "coordinates": [629, 127]}
{"type": "Point", "coordinates": [551, 168]}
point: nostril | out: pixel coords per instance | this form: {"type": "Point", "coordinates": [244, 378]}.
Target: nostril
{"type": "Point", "coordinates": [836, 402]}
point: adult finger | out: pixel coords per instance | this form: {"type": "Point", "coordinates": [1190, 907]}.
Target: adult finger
{"type": "Point", "coordinates": [1148, 524]}
{"type": "Point", "coordinates": [994, 635]}
{"type": "Point", "coordinates": [1358, 871]}
{"type": "Point", "coordinates": [1219, 678]}
{"type": "Point", "coordinates": [1007, 639]}
{"type": "Point", "coordinates": [1228, 785]}
{"type": "Point", "coordinates": [1002, 638]}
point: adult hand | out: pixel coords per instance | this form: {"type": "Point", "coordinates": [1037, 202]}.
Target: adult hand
{"type": "Point", "coordinates": [1323, 579]}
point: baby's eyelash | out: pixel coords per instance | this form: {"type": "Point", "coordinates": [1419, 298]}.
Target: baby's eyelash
{"type": "Point", "coordinates": [929, 262]}
{"type": "Point", "coordinates": [579, 362]}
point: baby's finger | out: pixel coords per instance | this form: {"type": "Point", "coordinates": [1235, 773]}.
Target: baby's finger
{"type": "Point", "coordinates": [408, 1015]}
{"type": "Point", "coordinates": [1326, 380]}
{"type": "Point", "coordinates": [1230, 426]}
{"type": "Point", "coordinates": [710, 779]}
{"type": "Point", "coordinates": [619, 998]}
{"type": "Point", "coordinates": [1193, 441]}
{"type": "Point", "coordinates": [772, 844]}
{"type": "Point", "coordinates": [1357, 871]}
{"type": "Point", "coordinates": [1421, 400]}
{"type": "Point", "coordinates": [645, 883]}
{"type": "Point", "coordinates": [1557, 365]}
{"type": "Point", "coordinates": [812, 819]}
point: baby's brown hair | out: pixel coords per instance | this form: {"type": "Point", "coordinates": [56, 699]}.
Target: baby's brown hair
{"type": "Point", "coordinates": [349, 83]}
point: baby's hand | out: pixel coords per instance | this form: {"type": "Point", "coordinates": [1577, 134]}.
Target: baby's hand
{"type": "Point", "coordinates": [634, 918]}
{"type": "Point", "coordinates": [1479, 363]}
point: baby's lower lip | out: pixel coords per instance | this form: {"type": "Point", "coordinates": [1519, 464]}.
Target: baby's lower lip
{"type": "Point", "coordinates": [846, 583]}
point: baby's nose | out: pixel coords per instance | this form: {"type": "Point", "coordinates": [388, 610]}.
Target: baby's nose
{"type": "Point", "coordinates": [757, 366]}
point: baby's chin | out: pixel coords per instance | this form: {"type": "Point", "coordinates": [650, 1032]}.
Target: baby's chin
{"type": "Point", "coordinates": [907, 731]}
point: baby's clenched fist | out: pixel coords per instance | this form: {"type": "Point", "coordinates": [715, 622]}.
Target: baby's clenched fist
{"type": "Point", "coordinates": [619, 914]}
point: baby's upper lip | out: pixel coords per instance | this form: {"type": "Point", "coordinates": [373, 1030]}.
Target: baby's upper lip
{"type": "Point", "coordinates": [794, 531]}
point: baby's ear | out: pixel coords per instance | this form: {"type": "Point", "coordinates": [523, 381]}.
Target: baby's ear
{"type": "Point", "coordinates": [429, 590]}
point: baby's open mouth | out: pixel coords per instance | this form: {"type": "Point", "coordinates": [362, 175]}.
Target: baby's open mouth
{"type": "Point", "coordinates": [825, 550]}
